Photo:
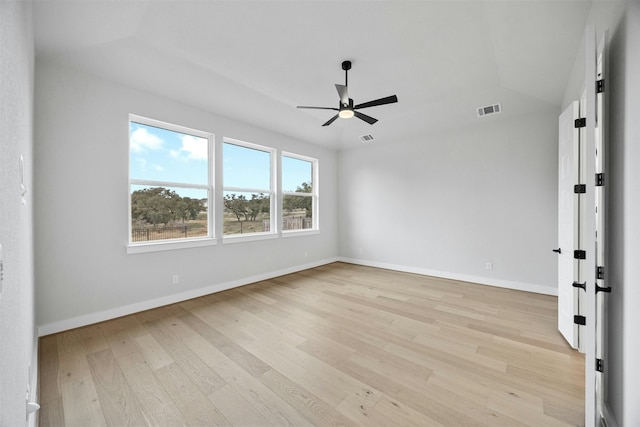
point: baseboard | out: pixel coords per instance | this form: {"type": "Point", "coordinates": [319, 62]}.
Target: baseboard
{"type": "Point", "coordinates": [527, 287]}
{"type": "Point", "coordinates": [88, 319]}
{"type": "Point", "coordinates": [34, 383]}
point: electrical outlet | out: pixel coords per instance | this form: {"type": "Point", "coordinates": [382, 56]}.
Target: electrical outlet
{"type": "Point", "coordinates": [489, 266]}
{"type": "Point", "coordinates": [175, 279]}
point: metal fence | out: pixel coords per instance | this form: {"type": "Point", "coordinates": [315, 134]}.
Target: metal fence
{"type": "Point", "coordinates": [165, 233]}
{"type": "Point", "coordinates": [290, 223]}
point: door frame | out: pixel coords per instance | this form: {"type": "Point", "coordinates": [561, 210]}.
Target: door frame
{"type": "Point", "coordinates": [592, 417]}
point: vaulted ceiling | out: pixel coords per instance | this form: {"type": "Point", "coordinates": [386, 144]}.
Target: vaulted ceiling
{"type": "Point", "coordinates": [255, 61]}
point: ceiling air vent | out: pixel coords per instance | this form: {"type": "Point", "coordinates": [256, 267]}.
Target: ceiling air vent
{"type": "Point", "coordinates": [488, 110]}
{"type": "Point", "coordinates": [366, 138]}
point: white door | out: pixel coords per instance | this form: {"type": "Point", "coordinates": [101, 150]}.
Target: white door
{"type": "Point", "coordinates": [568, 223]}
{"type": "Point", "coordinates": [588, 237]}
{"type": "Point", "coordinates": [601, 279]}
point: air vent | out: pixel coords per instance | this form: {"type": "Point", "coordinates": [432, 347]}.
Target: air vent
{"type": "Point", "coordinates": [488, 110]}
{"type": "Point", "coordinates": [366, 138]}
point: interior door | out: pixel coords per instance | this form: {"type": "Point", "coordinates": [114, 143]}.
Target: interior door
{"type": "Point", "coordinates": [568, 223]}
{"type": "Point", "coordinates": [601, 277]}
{"type": "Point", "coordinates": [588, 238]}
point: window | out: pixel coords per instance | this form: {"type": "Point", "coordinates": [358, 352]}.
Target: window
{"type": "Point", "coordinates": [299, 193]}
{"type": "Point", "coordinates": [248, 190]}
{"type": "Point", "coordinates": [170, 182]}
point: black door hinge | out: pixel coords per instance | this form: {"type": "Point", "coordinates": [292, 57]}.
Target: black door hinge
{"type": "Point", "coordinates": [580, 123]}
{"type": "Point", "coordinates": [582, 286]}
{"type": "Point", "coordinates": [579, 320]}
{"type": "Point", "coordinates": [580, 254]}
{"type": "Point", "coordinates": [599, 365]}
{"type": "Point", "coordinates": [580, 188]}
{"type": "Point", "coordinates": [600, 86]}
{"type": "Point", "coordinates": [599, 179]}
{"type": "Point", "coordinates": [599, 272]}
{"type": "Point", "coordinates": [606, 289]}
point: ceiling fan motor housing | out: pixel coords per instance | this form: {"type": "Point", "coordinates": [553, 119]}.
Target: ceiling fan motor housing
{"type": "Point", "coordinates": [348, 106]}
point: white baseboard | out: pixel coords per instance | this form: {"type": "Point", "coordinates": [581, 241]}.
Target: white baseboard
{"type": "Point", "coordinates": [88, 319]}
{"type": "Point", "coordinates": [34, 389]}
{"type": "Point", "coordinates": [528, 287]}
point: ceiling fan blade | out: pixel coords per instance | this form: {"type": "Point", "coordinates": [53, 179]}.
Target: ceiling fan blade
{"type": "Point", "coordinates": [331, 120]}
{"type": "Point", "coordinates": [343, 93]}
{"type": "Point", "coordinates": [318, 108]}
{"type": "Point", "coordinates": [388, 100]}
{"type": "Point", "coordinates": [364, 117]}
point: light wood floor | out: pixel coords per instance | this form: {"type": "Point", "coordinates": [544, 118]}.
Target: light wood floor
{"type": "Point", "coordinates": [336, 345]}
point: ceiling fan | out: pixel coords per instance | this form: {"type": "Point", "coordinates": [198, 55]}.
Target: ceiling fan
{"type": "Point", "coordinates": [346, 109]}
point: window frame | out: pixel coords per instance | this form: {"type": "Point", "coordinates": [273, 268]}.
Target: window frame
{"type": "Point", "coordinates": [177, 243]}
{"type": "Point", "coordinates": [315, 202]}
{"type": "Point", "coordinates": [273, 194]}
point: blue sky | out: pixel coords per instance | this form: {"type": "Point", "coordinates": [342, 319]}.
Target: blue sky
{"type": "Point", "coordinates": [162, 155]}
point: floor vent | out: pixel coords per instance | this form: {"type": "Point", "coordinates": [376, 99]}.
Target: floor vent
{"type": "Point", "coordinates": [366, 138]}
{"type": "Point", "coordinates": [489, 110]}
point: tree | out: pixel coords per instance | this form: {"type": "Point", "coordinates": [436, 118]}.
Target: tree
{"type": "Point", "coordinates": [258, 204]}
{"type": "Point", "coordinates": [159, 205]}
{"type": "Point", "coordinates": [190, 208]}
{"type": "Point", "coordinates": [305, 187]}
{"type": "Point", "coordinates": [236, 204]}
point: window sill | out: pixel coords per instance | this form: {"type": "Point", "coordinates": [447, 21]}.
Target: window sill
{"type": "Point", "coordinates": [237, 238]}
{"type": "Point", "coordinates": [296, 233]}
{"type": "Point", "coordinates": [138, 248]}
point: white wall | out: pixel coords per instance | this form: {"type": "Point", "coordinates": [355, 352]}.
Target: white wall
{"type": "Point", "coordinates": [82, 272]}
{"type": "Point", "coordinates": [623, 176]}
{"type": "Point", "coordinates": [448, 203]}
{"type": "Point", "coordinates": [16, 138]}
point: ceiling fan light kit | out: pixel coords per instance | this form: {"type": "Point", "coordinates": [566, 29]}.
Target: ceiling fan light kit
{"type": "Point", "coordinates": [346, 109]}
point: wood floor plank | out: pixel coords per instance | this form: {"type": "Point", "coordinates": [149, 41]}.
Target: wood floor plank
{"type": "Point", "coordinates": [239, 355]}
{"type": "Point", "coordinates": [266, 403]}
{"type": "Point", "coordinates": [92, 338]}
{"type": "Point", "coordinates": [196, 408]}
{"type": "Point", "coordinates": [307, 404]}
{"type": "Point", "coordinates": [51, 413]}
{"type": "Point", "coordinates": [236, 408]}
{"type": "Point", "coordinates": [72, 361]}
{"type": "Point", "coordinates": [152, 352]}
{"type": "Point", "coordinates": [80, 403]}
{"type": "Point", "coordinates": [158, 407]}
{"type": "Point", "coordinates": [399, 391]}
{"type": "Point", "coordinates": [119, 404]}
{"type": "Point", "coordinates": [339, 344]}
{"type": "Point", "coordinates": [363, 411]}
{"type": "Point", "coordinates": [404, 415]}
{"type": "Point", "coordinates": [48, 369]}
{"type": "Point", "coordinates": [199, 372]}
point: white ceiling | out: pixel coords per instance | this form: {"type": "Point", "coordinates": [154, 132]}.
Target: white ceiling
{"type": "Point", "coordinates": [255, 61]}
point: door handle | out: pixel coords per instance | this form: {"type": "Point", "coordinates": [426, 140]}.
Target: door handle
{"type": "Point", "coordinates": [558, 251]}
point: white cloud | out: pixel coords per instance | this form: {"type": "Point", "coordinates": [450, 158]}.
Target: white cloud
{"type": "Point", "coordinates": [141, 141]}
{"type": "Point", "coordinates": [193, 148]}
{"type": "Point", "coordinates": [197, 148]}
